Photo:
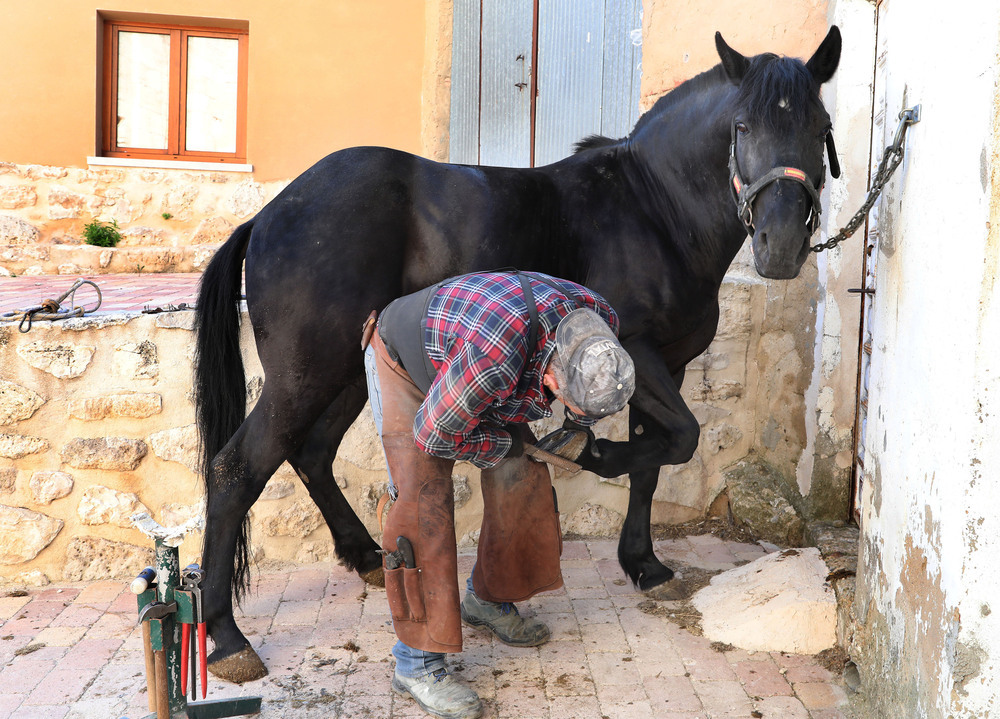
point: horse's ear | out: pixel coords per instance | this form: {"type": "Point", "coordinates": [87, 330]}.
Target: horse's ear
{"type": "Point", "coordinates": [733, 63]}
{"type": "Point", "coordinates": [824, 62]}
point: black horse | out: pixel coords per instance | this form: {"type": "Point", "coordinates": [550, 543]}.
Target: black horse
{"type": "Point", "coordinates": [648, 221]}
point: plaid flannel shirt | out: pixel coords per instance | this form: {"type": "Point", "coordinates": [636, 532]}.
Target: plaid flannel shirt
{"type": "Point", "coordinates": [476, 336]}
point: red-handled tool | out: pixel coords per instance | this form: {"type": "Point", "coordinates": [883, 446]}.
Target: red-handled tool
{"type": "Point", "coordinates": [191, 580]}
{"type": "Point", "coordinates": [185, 644]}
{"type": "Point", "coordinates": [202, 652]}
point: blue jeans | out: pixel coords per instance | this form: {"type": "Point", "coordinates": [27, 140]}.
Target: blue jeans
{"type": "Point", "coordinates": [375, 400]}
{"type": "Point", "coordinates": [410, 662]}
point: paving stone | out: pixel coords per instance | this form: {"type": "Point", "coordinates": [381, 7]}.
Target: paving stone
{"type": "Point", "coordinates": [61, 636]}
{"type": "Point", "coordinates": [46, 711]}
{"type": "Point", "coordinates": [596, 591]}
{"type": "Point", "coordinates": [783, 707]}
{"type": "Point", "coordinates": [62, 686]}
{"type": "Point", "coordinates": [613, 669]}
{"type": "Point", "coordinates": [808, 673]}
{"type": "Point", "coordinates": [820, 695]}
{"type": "Point", "coordinates": [575, 550]}
{"type": "Point", "coordinates": [9, 606]}
{"type": "Point", "coordinates": [574, 707]}
{"type": "Point", "coordinates": [296, 613]}
{"type": "Point", "coordinates": [514, 701]}
{"type": "Point", "coordinates": [10, 702]}
{"type": "Point", "coordinates": [368, 678]}
{"type": "Point", "coordinates": [603, 638]}
{"type": "Point", "coordinates": [762, 679]}
{"type": "Point", "coordinates": [710, 667]}
{"type": "Point", "coordinates": [89, 653]}
{"type": "Point", "coordinates": [611, 694]}
{"type": "Point", "coordinates": [829, 714]}
{"type": "Point", "coordinates": [306, 586]}
{"type": "Point", "coordinates": [595, 611]}
{"type": "Point", "coordinates": [671, 694]}
{"type": "Point", "coordinates": [723, 697]}
{"type": "Point", "coordinates": [24, 675]}
{"type": "Point", "coordinates": [607, 658]}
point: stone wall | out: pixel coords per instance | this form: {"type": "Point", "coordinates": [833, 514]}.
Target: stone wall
{"type": "Point", "coordinates": [96, 422]}
{"type": "Point", "coordinates": [170, 220]}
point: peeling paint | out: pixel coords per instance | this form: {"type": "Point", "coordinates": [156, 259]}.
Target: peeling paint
{"type": "Point", "coordinates": [925, 638]}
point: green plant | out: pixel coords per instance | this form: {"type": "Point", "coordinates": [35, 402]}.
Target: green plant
{"type": "Point", "coordinates": [166, 215]}
{"type": "Point", "coordinates": [102, 235]}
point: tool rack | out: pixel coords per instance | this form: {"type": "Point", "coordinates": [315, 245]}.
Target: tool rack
{"type": "Point", "coordinates": [165, 605]}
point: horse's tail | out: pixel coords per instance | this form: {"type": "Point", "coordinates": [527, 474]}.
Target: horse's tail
{"type": "Point", "coordinates": [220, 382]}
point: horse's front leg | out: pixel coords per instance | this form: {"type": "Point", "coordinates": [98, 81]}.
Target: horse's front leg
{"type": "Point", "coordinates": [662, 430]}
{"type": "Point", "coordinates": [635, 545]}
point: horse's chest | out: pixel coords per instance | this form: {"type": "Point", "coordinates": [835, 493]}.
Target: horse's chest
{"type": "Point", "coordinates": [683, 331]}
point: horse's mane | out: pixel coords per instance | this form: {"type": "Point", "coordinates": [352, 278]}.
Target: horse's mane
{"type": "Point", "coordinates": [768, 79]}
{"type": "Point", "coordinates": [677, 95]}
{"type": "Point", "coordinates": [592, 141]}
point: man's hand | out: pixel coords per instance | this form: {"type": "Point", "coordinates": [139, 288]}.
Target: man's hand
{"type": "Point", "coordinates": [516, 446]}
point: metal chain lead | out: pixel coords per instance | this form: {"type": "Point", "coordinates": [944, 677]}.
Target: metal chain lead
{"type": "Point", "coordinates": [891, 159]}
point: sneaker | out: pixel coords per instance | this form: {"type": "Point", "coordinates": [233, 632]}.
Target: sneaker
{"type": "Point", "coordinates": [503, 619]}
{"type": "Point", "coordinates": [440, 695]}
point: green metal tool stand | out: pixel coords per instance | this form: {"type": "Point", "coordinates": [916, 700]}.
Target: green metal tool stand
{"type": "Point", "coordinates": [165, 606]}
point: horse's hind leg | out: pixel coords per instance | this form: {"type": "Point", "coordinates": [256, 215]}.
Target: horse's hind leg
{"type": "Point", "coordinates": [239, 473]}
{"type": "Point", "coordinates": [313, 462]}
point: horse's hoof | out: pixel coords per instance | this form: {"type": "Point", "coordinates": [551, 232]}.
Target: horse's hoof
{"type": "Point", "coordinates": [376, 577]}
{"type": "Point", "coordinates": [243, 666]}
{"type": "Point", "coordinates": [670, 591]}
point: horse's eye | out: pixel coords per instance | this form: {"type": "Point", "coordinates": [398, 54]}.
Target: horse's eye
{"type": "Point", "coordinates": [742, 128]}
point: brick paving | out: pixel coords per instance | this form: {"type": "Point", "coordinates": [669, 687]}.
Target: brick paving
{"type": "Point", "coordinates": [73, 652]}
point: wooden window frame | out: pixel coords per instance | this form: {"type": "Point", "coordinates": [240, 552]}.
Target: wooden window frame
{"type": "Point", "coordinates": [177, 123]}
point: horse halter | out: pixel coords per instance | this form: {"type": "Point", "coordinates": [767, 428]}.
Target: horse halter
{"type": "Point", "coordinates": [744, 194]}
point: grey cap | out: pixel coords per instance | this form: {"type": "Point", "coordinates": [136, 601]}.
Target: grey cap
{"type": "Point", "coordinates": [600, 376]}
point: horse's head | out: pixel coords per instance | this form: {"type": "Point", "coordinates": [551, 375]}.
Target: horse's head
{"type": "Point", "coordinates": [778, 128]}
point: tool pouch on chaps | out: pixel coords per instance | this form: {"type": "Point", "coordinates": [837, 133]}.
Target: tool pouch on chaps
{"type": "Point", "coordinates": [520, 541]}
{"type": "Point", "coordinates": [424, 599]}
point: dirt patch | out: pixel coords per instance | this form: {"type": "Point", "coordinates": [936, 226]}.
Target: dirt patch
{"type": "Point", "coordinates": [303, 696]}
{"type": "Point", "coordinates": [833, 660]}
{"type": "Point", "coordinates": [682, 613]}
{"type": "Point", "coordinates": [30, 648]}
{"type": "Point", "coordinates": [721, 527]}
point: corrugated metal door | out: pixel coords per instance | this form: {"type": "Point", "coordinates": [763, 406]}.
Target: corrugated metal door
{"type": "Point", "coordinates": [585, 46]}
{"type": "Point", "coordinates": [587, 54]}
{"type": "Point", "coordinates": [505, 113]}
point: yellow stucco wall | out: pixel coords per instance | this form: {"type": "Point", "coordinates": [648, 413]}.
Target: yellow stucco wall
{"type": "Point", "coordinates": [322, 76]}
{"type": "Point", "coordinates": [678, 35]}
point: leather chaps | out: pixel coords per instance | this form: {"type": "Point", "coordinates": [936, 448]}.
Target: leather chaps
{"type": "Point", "coordinates": [519, 544]}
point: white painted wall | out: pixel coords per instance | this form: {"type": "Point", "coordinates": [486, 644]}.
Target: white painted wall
{"type": "Point", "coordinates": [830, 398]}
{"type": "Point", "coordinates": [928, 605]}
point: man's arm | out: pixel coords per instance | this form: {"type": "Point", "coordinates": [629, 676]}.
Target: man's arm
{"type": "Point", "coordinates": [448, 422]}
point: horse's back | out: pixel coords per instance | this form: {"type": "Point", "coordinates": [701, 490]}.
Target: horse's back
{"type": "Point", "coordinates": [389, 217]}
